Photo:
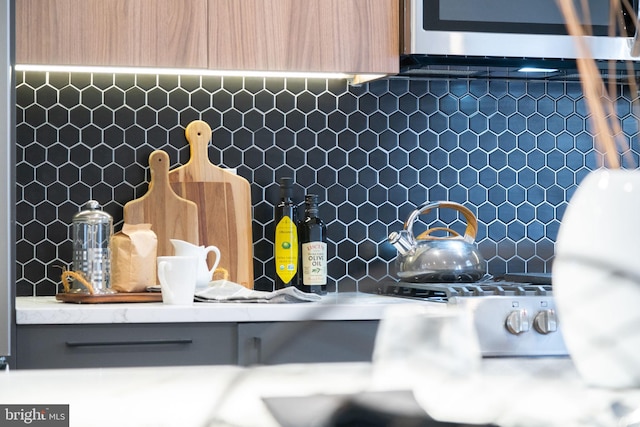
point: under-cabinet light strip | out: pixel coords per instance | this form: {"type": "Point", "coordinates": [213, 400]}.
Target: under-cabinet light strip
{"type": "Point", "coordinates": [186, 71]}
{"type": "Point", "coordinates": [537, 70]}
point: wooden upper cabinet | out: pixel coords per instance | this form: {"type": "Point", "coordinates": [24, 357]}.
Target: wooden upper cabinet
{"type": "Point", "coordinates": [353, 36]}
{"type": "Point", "coordinates": [143, 33]}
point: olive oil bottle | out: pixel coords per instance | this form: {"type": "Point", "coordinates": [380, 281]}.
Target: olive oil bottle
{"type": "Point", "coordinates": [286, 238]}
{"type": "Point", "coordinates": [312, 234]}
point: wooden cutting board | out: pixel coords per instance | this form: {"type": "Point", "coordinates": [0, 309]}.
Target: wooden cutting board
{"type": "Point", "coordinates": [224, 205]}
{"type": "Point", "coordinates": [170, 216]}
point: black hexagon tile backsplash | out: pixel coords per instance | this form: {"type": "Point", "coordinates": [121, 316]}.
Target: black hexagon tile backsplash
{"type": "Point", "coordinates": [511, 151]}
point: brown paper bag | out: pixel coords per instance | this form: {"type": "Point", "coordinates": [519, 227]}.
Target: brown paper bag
{"type": "Point", "coordinates": [133, 258]}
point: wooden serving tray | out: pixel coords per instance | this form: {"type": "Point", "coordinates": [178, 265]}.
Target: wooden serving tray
{"type": "Point", "coordinates": [110, 298]}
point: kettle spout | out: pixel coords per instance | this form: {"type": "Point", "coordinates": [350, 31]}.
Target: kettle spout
{"type": "Point", "coordinates": [403, 241]}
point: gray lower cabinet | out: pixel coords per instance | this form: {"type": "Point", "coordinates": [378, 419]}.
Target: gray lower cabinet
{"type": "Point", "coordinates": [115, 345]}
{"type": "Point", "coordinates": [175, 344]}
{"type": "Point", "coordinates": [306, 341]}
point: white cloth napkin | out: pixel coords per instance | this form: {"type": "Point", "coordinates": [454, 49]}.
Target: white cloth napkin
{"type": "Point", "coordinates": [226, 291]}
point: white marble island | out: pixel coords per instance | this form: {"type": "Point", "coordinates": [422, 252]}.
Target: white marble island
{"type": "Point", "coordinates": [508, 392]}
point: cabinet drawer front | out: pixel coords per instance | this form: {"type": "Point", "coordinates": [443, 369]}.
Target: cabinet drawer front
{"type": "Point", "coordinates": [306, 342]}
{"type": "Point", "coordinates": [83, 346]}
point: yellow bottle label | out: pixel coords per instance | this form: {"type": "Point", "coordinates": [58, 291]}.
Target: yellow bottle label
{"type": "Point", "coordinates": [286, 249]}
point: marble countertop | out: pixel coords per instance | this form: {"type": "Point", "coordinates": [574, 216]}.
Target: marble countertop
{"type": "Point", "coordinates": [333, 306]}
{"type": "Point", "coordinates": [508, 392]}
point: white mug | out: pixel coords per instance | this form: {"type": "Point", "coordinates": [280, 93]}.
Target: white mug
{"type": "Point", "coordinates": [204, 273]}
{"type": "Point", "coordinates": [177, 276]}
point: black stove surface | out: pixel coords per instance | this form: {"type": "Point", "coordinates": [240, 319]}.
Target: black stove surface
{"type": "Point", "coordinates": [507, 285]}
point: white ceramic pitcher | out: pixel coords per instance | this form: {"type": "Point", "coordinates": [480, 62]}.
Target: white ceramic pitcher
{"type": "Point", "coordinates": [204, 273]}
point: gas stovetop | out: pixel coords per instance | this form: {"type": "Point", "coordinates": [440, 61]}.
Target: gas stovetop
{"type": "Point", "coordinates": [508, 285]}
{"type": "Point", "coordinates": [514, 314]}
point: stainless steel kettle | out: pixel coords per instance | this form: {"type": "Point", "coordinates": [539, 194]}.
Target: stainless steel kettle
{"type": "Point", "coordinates": [427, 258]}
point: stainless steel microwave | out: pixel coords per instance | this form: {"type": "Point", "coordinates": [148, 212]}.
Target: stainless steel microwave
{"type": "Point", "coordinates": [510, 29]}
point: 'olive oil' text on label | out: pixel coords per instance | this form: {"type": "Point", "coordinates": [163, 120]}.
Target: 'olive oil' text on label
{"type": "Point", "coordinates": [314, 263]}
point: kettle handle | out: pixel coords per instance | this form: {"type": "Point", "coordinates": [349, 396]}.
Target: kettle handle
{"type": "Point", "coordinates": [427, 234]}
{"type": "Point", "coordinates": [472, 222]}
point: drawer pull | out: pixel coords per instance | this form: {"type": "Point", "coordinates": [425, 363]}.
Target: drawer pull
{"type": "Point", "coordinates": [125, 343]}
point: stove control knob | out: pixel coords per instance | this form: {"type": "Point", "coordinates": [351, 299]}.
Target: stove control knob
{"type": "Point", "coordinates": [517, 322]}
{"type": "Point", "coordinates": [546, 321]}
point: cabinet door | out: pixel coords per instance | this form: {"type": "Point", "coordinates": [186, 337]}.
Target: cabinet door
{"type": "Point", "coordinates": [354, 36]}
{"type": "Point", "coordinates": [306, 342]}
{"type": "Point", "coordinates": [97, 346]}
{"type": "Point", "coordinates": [149, 33]}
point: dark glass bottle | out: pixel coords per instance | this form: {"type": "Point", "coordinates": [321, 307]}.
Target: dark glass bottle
{"type": "Point", "coordinates": [285, 249]}
{"type": "Point", "coordinates": [312, 234]}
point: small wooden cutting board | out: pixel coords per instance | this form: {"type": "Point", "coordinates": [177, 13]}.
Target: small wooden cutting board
{"type": "Point", "coordinates": [224, 205]}
{"type": "Point", "coordinates": [170, 216]}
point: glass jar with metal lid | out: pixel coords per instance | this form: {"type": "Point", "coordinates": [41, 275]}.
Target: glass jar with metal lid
{"type": "Point", "coordinates": [92, 229]}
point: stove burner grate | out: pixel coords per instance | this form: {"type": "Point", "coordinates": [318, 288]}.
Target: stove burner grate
{"type": "Point", "coordinates": [444, 291]}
